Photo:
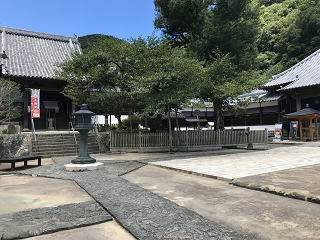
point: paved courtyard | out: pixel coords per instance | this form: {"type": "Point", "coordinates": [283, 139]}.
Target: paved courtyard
{"type": "Point", "coordinates": [135, 197]}
{"type": "Point", "coordinates": [240, 165]}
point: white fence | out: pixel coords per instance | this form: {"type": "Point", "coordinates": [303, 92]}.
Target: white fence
{"type": "Point", "coordinates": [187, 138]}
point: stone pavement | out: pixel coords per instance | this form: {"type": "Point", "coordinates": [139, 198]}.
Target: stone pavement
{"type": "Point", "coordinates": [144, 214]}
{"type": "Point", "coordinates": [147, 215]}
{"type": "Point", "coordinates": [256, 214]}
{"type": "Point", "coordinates": [239, 165]}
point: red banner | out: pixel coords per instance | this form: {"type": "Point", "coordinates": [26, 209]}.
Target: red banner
{"type": "Point", "coordinates": [35, 103]}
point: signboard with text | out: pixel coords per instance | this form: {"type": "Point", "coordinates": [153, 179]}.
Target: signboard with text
{"type": "Point", "coordinates": [35, 103]}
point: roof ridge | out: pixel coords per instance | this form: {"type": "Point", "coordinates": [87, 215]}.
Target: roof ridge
{"type": "Point", "coordinates": [36, 34]}
{"type": "Point", "coordinates": [294, 66]}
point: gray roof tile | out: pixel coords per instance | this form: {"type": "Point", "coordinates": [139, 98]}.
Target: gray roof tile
{"type": "Point", "coordinates": [34, 54]}
{"type": "Point", "coordinates": [303, 74]}
{"type": "Point", "coordinates": [258, 95]}
{"type": "Point", "coordinates": [304, 112]}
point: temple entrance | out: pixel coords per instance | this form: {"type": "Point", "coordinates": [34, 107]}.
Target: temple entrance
{"type": "Point", "coordinates": [55, 112]}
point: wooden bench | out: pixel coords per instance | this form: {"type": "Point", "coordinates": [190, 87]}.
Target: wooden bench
{"type": "Point", "coordinates": [24, 159]}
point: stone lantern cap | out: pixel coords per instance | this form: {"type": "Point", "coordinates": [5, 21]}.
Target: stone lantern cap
{"type": "Point", "coordinates": [84, 111]}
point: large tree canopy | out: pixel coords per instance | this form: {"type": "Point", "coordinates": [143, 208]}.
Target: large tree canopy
{"type": "Point", "coordinates": [118, 76]}
{"type": "Point", "coordinates": [207, 29]}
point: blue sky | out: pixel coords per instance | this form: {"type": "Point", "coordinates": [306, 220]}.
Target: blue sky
{"type": "Point", "coordinates": [120, 18]}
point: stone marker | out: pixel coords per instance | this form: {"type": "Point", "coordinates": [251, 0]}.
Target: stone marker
{"type": "Point", "coordinates": [12, 129]}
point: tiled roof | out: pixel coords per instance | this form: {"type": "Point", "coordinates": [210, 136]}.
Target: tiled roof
{"type": "Point", "coordinates": [258, 95]}
{"type": "Point", "coordinates": [303, 74]}
{"type": "Point", "coordinates": [304, 112]}
{"type": "Point", "coordinates": [173, 115]}
{"type": "Point", "coordinates": [34, 54]}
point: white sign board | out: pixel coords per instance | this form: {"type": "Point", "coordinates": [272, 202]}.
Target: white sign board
{"type": "Point", "coordinates": [98, 119]}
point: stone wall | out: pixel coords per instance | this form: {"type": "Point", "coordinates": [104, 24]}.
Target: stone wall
{"type": "Point", "coordinates": [14, 145]}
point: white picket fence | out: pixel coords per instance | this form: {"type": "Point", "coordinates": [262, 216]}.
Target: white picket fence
{"type": "Point", "coordinates": [187, 138]}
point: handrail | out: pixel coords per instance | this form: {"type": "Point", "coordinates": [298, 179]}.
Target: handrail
{"type": "Point", "coordinates": [74, 135]}
{"type": "Point", "coordinates": [96, 131]}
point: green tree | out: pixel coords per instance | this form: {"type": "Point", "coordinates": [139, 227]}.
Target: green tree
{"type": "Point", "coordinates": [104, 77]}
{"type": "Point", "coordinates": [222, 83]}
{"type": "Point", "coordinates": [9, 93]}
{"type": "Point", "coordinates": [227, 27]}
{"type": "Point", "coordinates": [170, 81]}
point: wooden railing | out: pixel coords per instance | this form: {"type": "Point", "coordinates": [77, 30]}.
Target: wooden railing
{"type": "Point", "coordinates": [187, 138]}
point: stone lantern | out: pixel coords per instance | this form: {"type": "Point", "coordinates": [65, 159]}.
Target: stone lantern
{"type": "Point", "coordinates": [83, 126]}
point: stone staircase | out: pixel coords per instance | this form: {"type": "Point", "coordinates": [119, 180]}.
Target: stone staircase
{"type": "Point", "coordinates": [61, 145]}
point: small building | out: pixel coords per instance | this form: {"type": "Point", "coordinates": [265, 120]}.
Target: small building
{"type": "Point", "coordinates": [32, 59]}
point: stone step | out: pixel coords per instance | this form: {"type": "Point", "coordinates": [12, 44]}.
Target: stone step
{"type": "Point", "coordinates": [54, 145]}
{"type": "Point", "coordinates": [49, 154]}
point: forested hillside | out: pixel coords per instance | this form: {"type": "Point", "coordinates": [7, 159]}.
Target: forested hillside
{"type": "Point", "coordinates": [290, 31]}
{"type": "Point", "coordinates": [90, 40]}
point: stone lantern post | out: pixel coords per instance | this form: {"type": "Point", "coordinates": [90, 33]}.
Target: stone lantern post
{"type": "Point", "coordinates": [83, 126]}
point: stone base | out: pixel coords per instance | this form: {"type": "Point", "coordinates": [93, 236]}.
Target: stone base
{"type": "Point", "coordinates": [83, 167]}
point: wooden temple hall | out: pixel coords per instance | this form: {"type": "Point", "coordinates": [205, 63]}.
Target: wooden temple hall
{"type": "Point", "coordinates": [29, 58]}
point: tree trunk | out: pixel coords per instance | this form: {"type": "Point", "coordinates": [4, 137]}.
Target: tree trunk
{"type": "Point", "coordinates": [218, 117]}
{"type": "Point", "coordinates": [118, 117]}
{"type": "Point", "coordinates": [170, 129]}
{"type": "Point", "coordinates": [178, 129]}
{"type": "Point", "coordinates": [130, 119]}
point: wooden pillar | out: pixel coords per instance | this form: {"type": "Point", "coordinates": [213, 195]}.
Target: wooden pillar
{"type": "Point", "coordinates": [260, 114]}
{"type": "Point", "coordinates": [311, 129]}
{"type": "Point", "coordinates": [300, 124]}
{"type": "Point", "coordinates": [316, 124]}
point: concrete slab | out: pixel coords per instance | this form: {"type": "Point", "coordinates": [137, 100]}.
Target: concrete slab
{"type": "Point", "coordinates": [304, 178]}
{"type": "Point", "coordinates": [256, 214]}
{"type": "Point", "coordinates": [104, 231]}
{"type": "Point", "coordinates": [18, 193]}
{"type": "Point", "coordinates": [228, 167]}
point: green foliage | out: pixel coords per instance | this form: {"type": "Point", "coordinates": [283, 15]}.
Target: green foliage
{"type": "Point", "coordinates": [289, 33]}
{"type": "Point", "coordinates": [104, 76]}
{"type": "Point", "coordinates": [135, 122]}
{"type": "Point", "coordinates": [223, 34]}
{"type": "Point", "coordinates": [113, 127]}
{"type": "Point", "coordinates": [9, 93]}
{"type": "Point", "coordinates": [171, 80]}
{"type": "Point", "coordinates": [4, 131]}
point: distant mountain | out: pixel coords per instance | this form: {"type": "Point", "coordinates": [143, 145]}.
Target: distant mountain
{"type": "Point", "coordinates": [88, 41]}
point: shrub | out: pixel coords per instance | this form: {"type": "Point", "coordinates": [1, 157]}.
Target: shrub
{"type": "Point", "coordinates": [113, 127]}
{"type": "Point", "coordinates": [135, 123]}
{"type": "Point", "coordinates": [4, 131]}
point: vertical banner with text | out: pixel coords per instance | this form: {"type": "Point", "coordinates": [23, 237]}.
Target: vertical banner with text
{"type": "Point", "coordinates": [35, 103]}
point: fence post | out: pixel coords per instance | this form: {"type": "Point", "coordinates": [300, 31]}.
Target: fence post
{"type": "Point", "coordinates": [219, 137]}
{"type": "Point", "coordinates": [249, 146]}
{"type": "Point", "coordinates": [266, 132]}
{"type": "Point", "coordinates": [111, 139]}
{"type": "Point", "coordinates": [140, 140]}
{"type": "Point", "coordinates": [187, 139]}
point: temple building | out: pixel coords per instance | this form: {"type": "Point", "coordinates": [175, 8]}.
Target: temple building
{"type": "Point", "coordinates": [30, 59]}
{"type": "Point", "coordinates": [286, 92]}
